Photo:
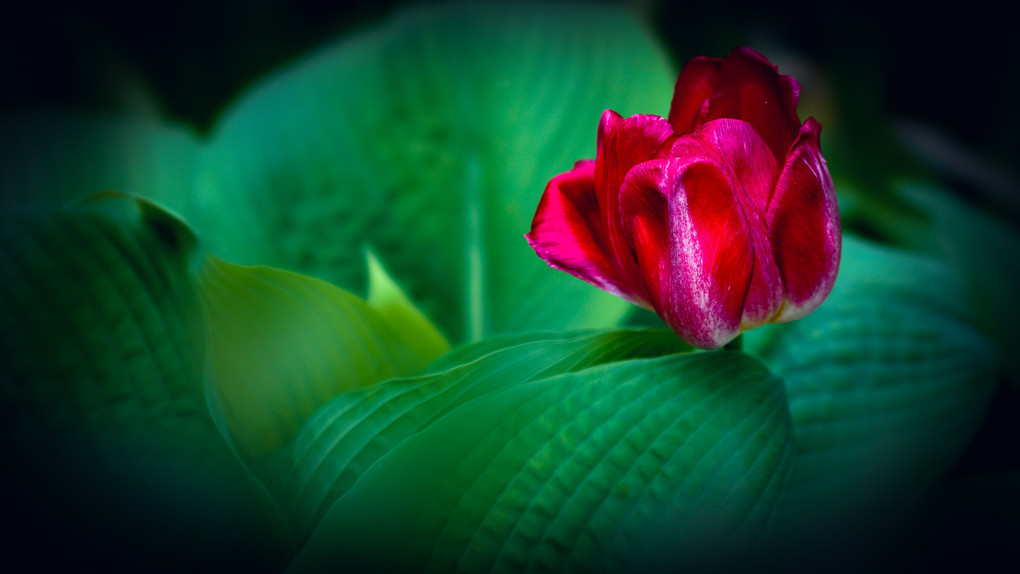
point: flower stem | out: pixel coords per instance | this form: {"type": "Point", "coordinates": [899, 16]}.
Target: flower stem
{"type": "Point", "coordinates": [736, 344]}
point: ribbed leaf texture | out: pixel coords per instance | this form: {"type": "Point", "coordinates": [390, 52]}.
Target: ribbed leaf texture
{"type": "Point", "coordinates": [115, 458]}
{"type": "Point", "coordinates": [652, 464]}
{"type": "Point", "coordinates": [887, 382]}
{"type": "Point", "coordinates": [344, 438]}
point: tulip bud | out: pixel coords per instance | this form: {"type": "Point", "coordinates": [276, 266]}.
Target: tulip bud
{"type": "Point", "coordinates": [720, 218]}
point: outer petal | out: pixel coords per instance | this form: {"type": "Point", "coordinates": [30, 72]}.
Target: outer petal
{"type": "Point", "coordinates": [737, 147]}
{"type": "Point", "coordinates": [701, 261]}
{"type": "Point", "coordinates": [569, 232]}
{"type": "Point", "coordinates": [622, 144]}
{"type": "Point", "coordinates": [645, 217]}
{"type": "Point", "coordinates": [804, 230]}
{"type": "Point", "coordinates": [750, 88]}
{"type": "Point", "coordinates": [694, 88]}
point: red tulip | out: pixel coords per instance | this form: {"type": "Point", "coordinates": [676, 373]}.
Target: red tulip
{"type": "Point", "coordinates": [720, 218]}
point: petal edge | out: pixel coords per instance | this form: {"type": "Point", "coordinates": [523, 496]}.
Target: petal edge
{"type": "Point", "coordinates": [569, 233]}
{"type": "Point", "coordinates": [804, 228]}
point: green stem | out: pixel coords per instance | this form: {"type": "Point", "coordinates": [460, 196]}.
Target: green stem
{"type": "Point", "coordinates": [736, 344]}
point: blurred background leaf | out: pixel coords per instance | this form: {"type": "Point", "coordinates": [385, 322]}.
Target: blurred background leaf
{"type": "Point", "coordinates": [983, 251]}
{"type": "Point", "coordinates": [859, 72]}
{"type": "Point", "coordinates": [103, 401]}
{"type": "Point", "coordinates": [57, 156]}
{"type": "Point", "coordinates": [440, 124]}
{"type": "Point", "coordinates": [428, 139]}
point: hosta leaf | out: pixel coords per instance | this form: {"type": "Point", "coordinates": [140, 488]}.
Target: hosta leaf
{"type": "Point", "coordinates": [114, 458]}
{"type": "Point", "coordinates": [643, 342]}
{"type": "Point", "coordinates": [110, 262]}
{"type": "Point", "coordinates": [415, 331]}
{"type": "Point", "coordinates": [345, 437]}
{"type": "Point", "coordinates": [887, 384]}
{"type": "Point", "coordinates": [52, 158]}
{"type": "Point", "coordinates": [986, 253]}
{"type": "Point", "coordinates": [282, 344]}
{"type": "Point", "coordinates": [635, 465]}
{"type": "Point", "coordinates": [430, 139]}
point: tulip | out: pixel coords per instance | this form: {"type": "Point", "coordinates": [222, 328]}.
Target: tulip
{"type": "Point", "coordinates": [720, 218]}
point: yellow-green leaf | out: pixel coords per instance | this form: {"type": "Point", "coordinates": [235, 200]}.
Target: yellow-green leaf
{"type": "Point", "coordinates": [111, 455]}
{"type": "Point", "coordinates": [282, 344]}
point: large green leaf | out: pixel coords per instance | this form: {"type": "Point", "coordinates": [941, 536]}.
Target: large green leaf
{"type": "Point", "coordinates": [282, 344]}
{"type": "Point", "coordinates": [980, 245]}
{"type": "Point", "coordinates": [345, 437]}
{"type": "Point", "coordinates": [635, 465]}
{"type": "Point", "coordinates": [985, 250]}
{"type": "Point", "coordinates": [887, 381]}
{"type": "Point", "coordinates": [114, 460]}
{"type": "Point", "coordinates": [430, 138]}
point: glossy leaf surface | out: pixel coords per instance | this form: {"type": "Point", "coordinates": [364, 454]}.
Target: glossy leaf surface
{"type": "Point", "coordinates": [658, 463]}
{"type": "Point", "coordinates": [345, 437]}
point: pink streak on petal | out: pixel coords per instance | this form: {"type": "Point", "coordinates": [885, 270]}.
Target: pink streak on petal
{"type": "Point", "coordinates": [803, 220]}
{"type": "Point", "coordinates": [694, 87]}
{"type": "Point", "coordinates": [736, 146]}
{"type": "Point", "coordinates": [702, 284]}
{"type": "Point", "coordinates": [569, 233]}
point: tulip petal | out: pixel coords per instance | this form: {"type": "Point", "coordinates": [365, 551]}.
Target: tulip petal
{"type": "Point", "coordinates": [751, 88]}
{"type": "Point", "coordinates": [736, 146]}
{"type": "Point", "coordinates": [803, 221]}
{"type": "Point", "coordinates": [644, 213]}
{"type": "Point", "coordinates": [569, 233]}
{"type": "Point", "coordinates": [701, 260]}
{"type": "Point", "coordinates": [694, 88]}
{"type": "Point", "coordinates": [622, 144]}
